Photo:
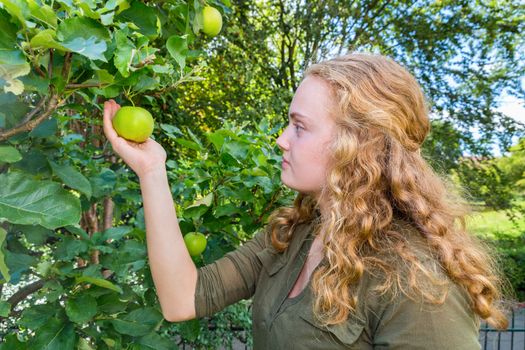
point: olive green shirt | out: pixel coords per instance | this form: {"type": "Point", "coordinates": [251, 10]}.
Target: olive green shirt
{"type": "Point", "coordinates": [255, 270]}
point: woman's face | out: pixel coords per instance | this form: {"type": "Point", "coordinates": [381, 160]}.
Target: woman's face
{"type": "Point", "coordinates": [304, 141]}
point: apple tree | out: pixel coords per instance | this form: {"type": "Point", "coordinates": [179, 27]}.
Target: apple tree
{"type": "Point", "coordinates": [73, 262]}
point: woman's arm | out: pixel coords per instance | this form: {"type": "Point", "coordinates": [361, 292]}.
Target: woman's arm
{"type": "Point", "coordinates": [173, 271]}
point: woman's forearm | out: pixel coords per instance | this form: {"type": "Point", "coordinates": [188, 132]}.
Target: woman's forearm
{"type": "Point", "coordinates": [172, 268]}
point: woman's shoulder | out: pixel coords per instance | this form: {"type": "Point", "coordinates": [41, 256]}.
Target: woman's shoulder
{"type": "Point", "coordinates": [405, 265]}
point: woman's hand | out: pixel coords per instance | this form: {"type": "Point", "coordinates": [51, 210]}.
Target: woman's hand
{"type": "Point", "coordinates": [142, 158]}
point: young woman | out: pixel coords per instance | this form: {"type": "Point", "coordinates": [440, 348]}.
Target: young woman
{"type": "Point", "coordinates": [373, 254]}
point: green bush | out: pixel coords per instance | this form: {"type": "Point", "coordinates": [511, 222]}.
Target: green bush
{"type": "Point", "coordinates": [511, 252]}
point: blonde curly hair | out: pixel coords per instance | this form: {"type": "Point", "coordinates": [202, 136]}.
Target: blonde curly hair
{"type": "Point", "coordinates": [377, 174]}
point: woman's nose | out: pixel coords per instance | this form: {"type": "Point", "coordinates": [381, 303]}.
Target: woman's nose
{"type": "Point", "coordinates": [282, 141]}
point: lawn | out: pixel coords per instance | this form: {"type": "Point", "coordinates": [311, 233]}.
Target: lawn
{"type": "Point", "coordinates": [488, 223]}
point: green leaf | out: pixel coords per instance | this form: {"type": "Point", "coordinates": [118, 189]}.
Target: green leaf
{"type": "Point", "coordinates": [5, 308]}
{"type": "Point", "coordinates": [104, 76]}
{"type": "Point", "coordinates": [130, 328]}
{"type": "Point", "coordinates": [47, 128]}
{"type": "Point", "coordinates": [188, 144]}
{"type": "Point", "coordinates": [18, 263]}
{"type": "Point", "coordinates": [206, 200]}
{"type": "Point", "coordinates": [217, 139]}
{"type": "Point", "coordinates": [9, 154]}
{"type": "Point", "coordinates": [238, 150]}
{"type": "Point", "coordinates": [44, 267]}
{"type": "Point", "coordinates": [99, 282]}
{"type": "Point", "coordinates": [37, 315]}
{"type": "Point", "coordinates": [91, 47]}
{"type": "Point", "coordinates": [116, 233]}
{"type": "Point", "coordinates": [34, 161]}
{"type": "Point", "coordinates": [35, 83]}
{"type": "Point", "coordinates": [107, 18]}
{"type": "Point", "coordinates": [154, 341]}
{"type": "Point", "coordinates": [138, 322]}
{"type": "Point", "coordinates": [69, 248]}
{"type": "Point", "coordinates": [27, 201]}
{"type": "Point", "coordinates": [111, 304]}
{"type": "Point", "coordinates": [7, 32]}
{"type": "Point", "coordinates": [11, 342]}
{"type": "Point", "coordinates": [144, 17]}
{"type": "Point", "coordinates": [171, 130]}
{"type": "Point", "coordinates": [82, 308]}
{"type": "Point", "coordinates": [44, 13]}
{"type": "Point", "coordinates": [83, 344]}
{"type": "Point", "coordinates": [123, 53]}
{"type": "Point", "coordinates": [226, 210]}
{"type": "Point", "coordinates": [13, 65]}
{"type": "Point", "coordinates": [34, 234]}
{"type": "Point", "coordinates": [84, 36]}
{"type": "Point", "coordinates": [130, 255]}
{"type": "Point", "coordinates": [72, 178]}
{"type": "Point", "coordinates": [103, 183]}
{"type": "Point", "coordinates": [178, 48]}
{"type": "Point", "coordinates": [46, 39]}
{"type": "Point", "coordinates": [79, 231]}
{"type": "Point", "coordinates": [82, 27]}
{"type": "Point", "coordinates": [18, 9]}
{"type": "Point", "coordinates": [4, 270]}
{"type": "Point", "coordinates": [55, 335]}
{"type": "Point", "coordinates": [189, 330]}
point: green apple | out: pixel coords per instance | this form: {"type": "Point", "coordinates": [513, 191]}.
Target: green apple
{"type": "Point", "coordinates": [133, 123]}
{"type": "Point", "coordinates": [211, 21]}
{"type": "Point", "coordinates": [195, 242]}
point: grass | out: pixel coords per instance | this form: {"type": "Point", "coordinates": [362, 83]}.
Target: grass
{"type": "Point", "coordinates": [492, 223]}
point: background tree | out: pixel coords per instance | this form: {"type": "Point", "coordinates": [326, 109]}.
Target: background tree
{"type": "Point", "coordinates": [72, 255]}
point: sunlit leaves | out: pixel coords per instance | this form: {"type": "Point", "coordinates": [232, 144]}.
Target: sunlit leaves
{"type": "Point", "coordinates": [13, 65]}
{"type": "Point", "coordinates": [84, 36]}
{"type": "Point", "coordinates": [178, 49]}
{"type": "Point", "coordinates": [124, 53]}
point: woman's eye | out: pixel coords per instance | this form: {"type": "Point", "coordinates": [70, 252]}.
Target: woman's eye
{"type": "Point", "coordinates": [297, 127]}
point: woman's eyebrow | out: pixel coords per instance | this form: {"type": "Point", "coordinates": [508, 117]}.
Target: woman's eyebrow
{"type": "Point", "coordinates": [298, 116]}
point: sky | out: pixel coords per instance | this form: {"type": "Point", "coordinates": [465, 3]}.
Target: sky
{"type": "Point", "coordinates": [513, 107]}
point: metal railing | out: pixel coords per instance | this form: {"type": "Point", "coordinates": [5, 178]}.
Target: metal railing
{"type": "Point", "coordinates": [509, 339]}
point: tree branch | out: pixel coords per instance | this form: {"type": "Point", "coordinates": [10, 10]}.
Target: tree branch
{"type": "Point", "coordinates": [22, 294]}
{"type": "Point", "coordinates": [50, 65]}
{"type": "Point", "coordinates": [35, 110]}
{"type": "Point", "coordinates": [39, 71]}
{"type": "Point", "coordinates": [108, 212]}
{"type": "Point", "coordinates": [30, 125]}
{"type": "Point", "coordinates": [82, 86]}
{"type": "Point", "coordinates": [66, 68]}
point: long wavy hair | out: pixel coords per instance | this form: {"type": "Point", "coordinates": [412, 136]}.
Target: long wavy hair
{"type": "Point", "coordinates": [377, 178]}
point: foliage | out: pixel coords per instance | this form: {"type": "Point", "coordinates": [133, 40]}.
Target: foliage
{"type": "Point", "coordinates": [497, 182]}
{"type": "Point", "coordinates": [464, 54]}
{"type": "Point", "coordinates": [72, 238]}
{"type": "Point", "coordinates": [511, 253]}
{"type": "Point", "coordinates": [225, 190]}
{"type": "Point", "coordinates": [73, 257]}
{"type": "Point", "coordinates": [513, 164]}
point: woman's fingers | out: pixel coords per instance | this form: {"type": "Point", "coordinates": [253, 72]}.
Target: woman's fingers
{"type": "Point", "coordinates": [109, 112]}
